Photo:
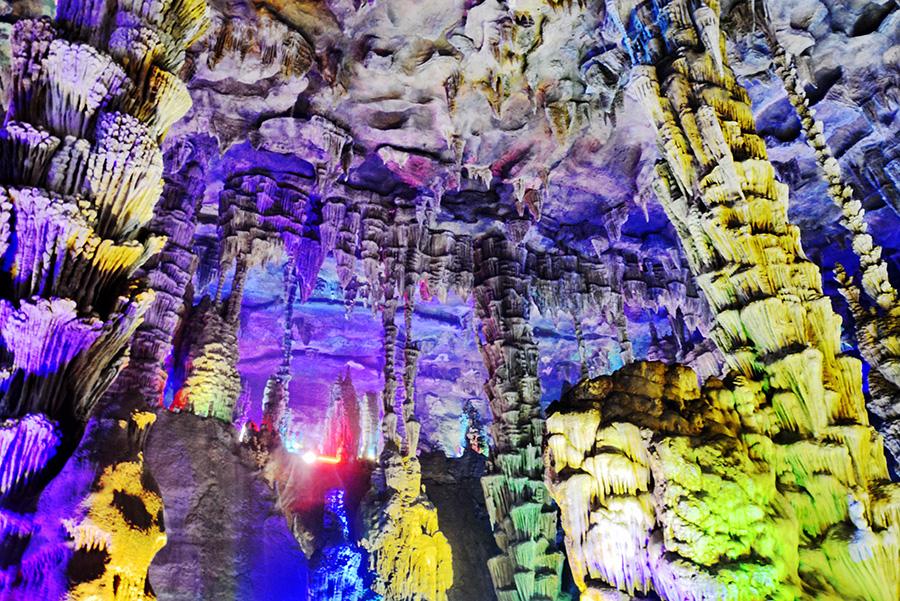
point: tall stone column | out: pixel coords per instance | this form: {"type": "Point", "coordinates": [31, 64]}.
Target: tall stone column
{"type": "Point", "coordinates": [82, 173]}
{"type": "Point", "coordinates": [772, 321]}
{"type": "Point", "coordinates": [408, 554]}
{"type": "Point", "coordinates": [878, 324]}
{"type": "Point", "coordinates": [524, 519]}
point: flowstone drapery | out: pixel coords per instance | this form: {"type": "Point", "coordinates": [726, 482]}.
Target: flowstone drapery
{"type": "Point", "coordinates": [692, 493]}
{"type": "Point", "coordinates": [82, 173]}
{"type": "Point", "coordinates": [521, 511]}
{"type": "Point", "coordinates": [799, 402]}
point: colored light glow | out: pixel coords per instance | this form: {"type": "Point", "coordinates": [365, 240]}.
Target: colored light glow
{"type": "Point", "coordinates": [310, 457]}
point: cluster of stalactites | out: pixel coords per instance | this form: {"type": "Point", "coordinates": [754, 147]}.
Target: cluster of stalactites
{"type": "Point", "coordinates": [878, 326]}
{"type": "Point", "coordinates": [696, 494]}
{"type": "Point", "coordinates": [793, 417]}
{"type": "Point", "coordinates": [261, 219]}
{"type": "Point", "coordinates": [377, 241]}
{"type": "Point", "coordinates": [521, 512]}
{"type": "Point", "coordinates": [81, 170]}
{"type": "Point", "coordinates": [265, 217]}
{"type": "Point", "coordinates": [383, 247]}
{"type": "Point", "coordinates": [408, 554]}
{"type": "Point", "coordinates": [263, 38]}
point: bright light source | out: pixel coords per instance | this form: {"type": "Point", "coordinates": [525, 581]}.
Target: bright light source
{"type": "Point", "coordinates": [309, 457]}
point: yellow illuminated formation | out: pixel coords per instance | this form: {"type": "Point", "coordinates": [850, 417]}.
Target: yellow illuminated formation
{"type": "Point", "coordinates": [711, 494]}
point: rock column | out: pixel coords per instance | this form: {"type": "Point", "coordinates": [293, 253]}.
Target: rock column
{"type": "Point", "coordinates": [525, 521]}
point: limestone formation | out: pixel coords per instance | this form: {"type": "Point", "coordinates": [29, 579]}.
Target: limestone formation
{"type": "Point", "coordinates": [92, 95]}
{"type": "Point", "coordinates": [789, 385]}
{"type": "Point", "coordinates": [522, 515]}
{"type": "Point", "coordinates": [242, 227]}
{"type": "Point", "coordinates": [878, 326]}
{"type": "Point", "coordinates": [408, 554]}
{"type": "Point", "coordinates": [696, 493]}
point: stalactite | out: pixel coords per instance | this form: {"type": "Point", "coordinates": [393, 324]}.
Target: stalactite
{"type": "Point", "coordinates": [82, 171]}
{"type": "Point", "coordinates": [408, 554]}
{"type": "Point", "coordinates": [263, 39]}
{"type": "Point", "coordinates": [791, 416]}
{"type": "Point", "coordinates": [582, 347]}
{"type": "Point", "coordinates": [411, 426]}
{"type": "Point", "coordinates": [390, 423]}
{"type": "Point", "coordinates": [524, 521]}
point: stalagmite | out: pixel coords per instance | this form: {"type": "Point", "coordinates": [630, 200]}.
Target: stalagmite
{"type": "Point", "coordinates": [82, 173]}
{"type": "Point", "coordinates": [524, 521]}
{"type": "Point", "coordinates": [343, 431]}
{"type": "Point", "coordinates": [668, 487]}
{"type": "Point", "coordinates": [408, 554]}
{"type": "Point", "coordinates": [212, 384]}
{"type": "Point", "coordinates": [340, 573]}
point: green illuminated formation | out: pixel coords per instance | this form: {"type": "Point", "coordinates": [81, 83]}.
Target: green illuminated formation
{"type": "Point", "coordinates": [700, 493]}
{"type": "Point", "coordinates": [521, 512]}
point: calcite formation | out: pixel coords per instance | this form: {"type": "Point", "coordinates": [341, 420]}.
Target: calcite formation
{"type": "Point", "coordinates": [773, 324]}
{"type": "Point", "coordinates": [236, 232]}
{"type": "Point", "coordinates": [697, 493]}
{"type": "Point", "coordinates": [409, 555]}
{"type": "Point", "coordinates": [877, 326]}
{"type": "Point", "coordinates": [92, 95]}
{"type": "Point", "coordinates": [780, 339]}
{"type": "Point", "coordinates": [521, 512]}
{"type": "Point", "coordinates": [340, 574]}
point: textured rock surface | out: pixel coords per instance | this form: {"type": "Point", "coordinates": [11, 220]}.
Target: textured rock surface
{"type": "Point", "coordinates": [667, 487]}
{"type": "Point", "coordinates": [454, 487]}
{"type": "Point", "coordinates": [91, 95]}
{"type": "Point", "coordinates": [226, 537]}
{"type": "Point", "coordinates": [359, 153]}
